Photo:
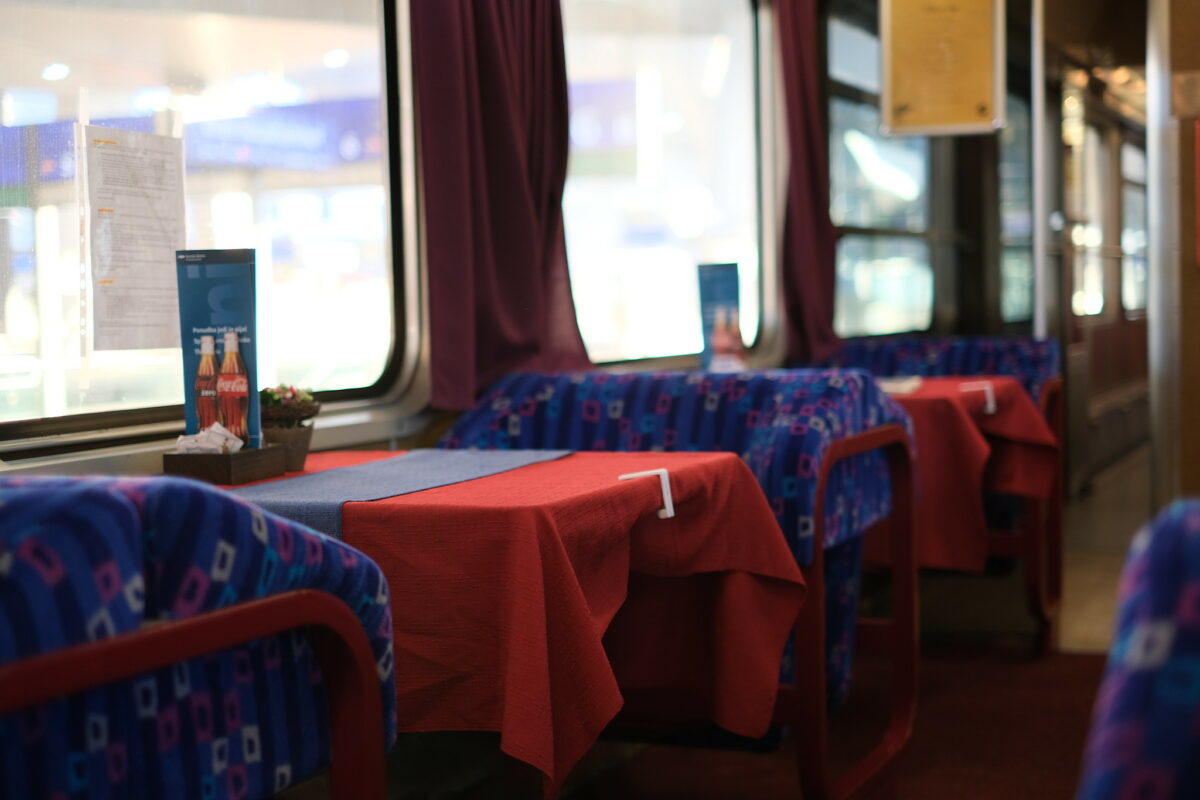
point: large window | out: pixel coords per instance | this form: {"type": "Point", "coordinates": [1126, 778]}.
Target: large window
{"type": "Point", "coordinates": [879, 199]}
{"type": "Point", "coordinates": [279, 108]}
{"type": "Point", "coordinates": [663, 171]}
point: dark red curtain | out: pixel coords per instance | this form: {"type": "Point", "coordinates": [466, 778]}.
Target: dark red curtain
{"type": "Point", "coordinates": [809, 241]}
{"type": "Point", "coordinates": [491, 94]}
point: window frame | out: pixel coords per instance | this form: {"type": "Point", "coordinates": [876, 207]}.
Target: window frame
{"type": "Point", "coordinates": [132, 439]}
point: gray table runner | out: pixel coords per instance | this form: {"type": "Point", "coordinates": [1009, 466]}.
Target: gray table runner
{"type": "Point", "coordinates": [316, 500]}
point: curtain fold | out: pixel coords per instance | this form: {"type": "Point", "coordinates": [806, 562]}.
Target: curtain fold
{"type": "Point", "coordinates": [809, 239]}
{"type": "Point", "coordinates": [491, 98]}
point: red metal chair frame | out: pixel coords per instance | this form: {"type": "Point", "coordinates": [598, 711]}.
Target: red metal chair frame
{"type": "Point", "coordinates": [1038, 540]}
{"type": "Point", "coordinates": [337, 637]}
{"type": "Point", "coordinates": [804, 704]}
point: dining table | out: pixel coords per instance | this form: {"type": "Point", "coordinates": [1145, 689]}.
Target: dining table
{"type": "Point", "coordinates": [974, 436]}
{"type": "Point", "coordinates": [525, 602]}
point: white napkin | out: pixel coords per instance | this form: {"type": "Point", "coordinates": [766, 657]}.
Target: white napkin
{"type": "Point", "coordinates": [906, 385]}
{"type": "Point", "coordinates": [213, 439]}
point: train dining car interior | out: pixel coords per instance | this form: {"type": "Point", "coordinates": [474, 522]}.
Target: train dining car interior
{"type": "Point", "coordinates": [596, 399]}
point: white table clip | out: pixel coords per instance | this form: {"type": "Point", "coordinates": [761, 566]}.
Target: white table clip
{"type": "Point", "coordinates": [668, 509]}
{"type": "Point", "coordinates": [989, 391]}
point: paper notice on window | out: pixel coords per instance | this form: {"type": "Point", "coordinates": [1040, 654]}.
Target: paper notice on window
{"type": "Point", "coordinates": [135, 225]}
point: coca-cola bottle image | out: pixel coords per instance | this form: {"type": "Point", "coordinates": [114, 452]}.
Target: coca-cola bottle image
{"type": "Point", "coordinates": [737, 348]}
{"type": "Point", "coordinates": [233, 390]}
{"type": "Point", "coordinates": [719, 339]}
{"type": "Point", "coordinates": [725, 342]}
{"type": "Point", "coordinates": [206, 384]}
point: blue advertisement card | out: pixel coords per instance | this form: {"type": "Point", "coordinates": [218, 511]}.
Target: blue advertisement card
{"type": "Point", "coordinates": [723, 350]}
{"type": "Point", "coordinates": [216, 319]}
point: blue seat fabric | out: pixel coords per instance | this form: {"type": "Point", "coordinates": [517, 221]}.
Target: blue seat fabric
{"type": "Point", "coordinates": [1032, 361]}
{"type": "Point", "coordinates": [83, 559]}
{"type": "Point", "coordinates": [1145, 736]}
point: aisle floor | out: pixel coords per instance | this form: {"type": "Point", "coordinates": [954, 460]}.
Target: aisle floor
{"type": "Point", "coordinates": [1098, 529]}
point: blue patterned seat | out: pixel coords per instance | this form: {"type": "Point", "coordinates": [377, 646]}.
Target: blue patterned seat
{"type": "Point", "coordinates": [1032, 361]}
{"type": "Point", "coordinates": [1145, 741]}
{"type": "Point", "coordinates": [87, 559]}
{"type": "Point", "coordinates": [781, 422]}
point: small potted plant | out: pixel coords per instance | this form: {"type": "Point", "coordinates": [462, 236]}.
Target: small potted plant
{"type": "Point", "coordinates": [285, 411]}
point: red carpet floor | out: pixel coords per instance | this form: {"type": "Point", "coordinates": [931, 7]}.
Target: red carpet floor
{"type": "Point", "coordinates": [991, 725]}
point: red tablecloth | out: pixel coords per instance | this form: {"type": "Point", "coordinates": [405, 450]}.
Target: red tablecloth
{"type": "Point", "coordinates": [522, 601]}
{"type": "Point", "coordinates": [963, 451]}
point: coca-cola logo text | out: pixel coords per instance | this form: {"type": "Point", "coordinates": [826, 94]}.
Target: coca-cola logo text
{"type": "Point", "coordinates": [232, 384]}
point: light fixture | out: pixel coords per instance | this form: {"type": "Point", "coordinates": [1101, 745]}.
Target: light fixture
{"type": "Point", "coordinates": [55, 72]}
{"type": "Point", "coordinates": [336, 59]}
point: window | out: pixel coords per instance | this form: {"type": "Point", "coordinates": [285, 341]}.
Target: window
{"type": "Point", "coordinates": [884, 284]}
{"type": "Point", "coordinates": [663, 170]}
{"type": "Point", "coordinates": [1016, 213]}
{"type": "Point", "coordinates": [1134, 241]}
{"type": "Point", "coordinates": [879, 199]}
{"type": "Point", "coordinates": [279, 106]}
{"type": "Point", "coordinates": [1087, 190]}
{"type": "Point", "coordinates": [854, 56]}
{"type": "Point", "coordinates": [876, 182]}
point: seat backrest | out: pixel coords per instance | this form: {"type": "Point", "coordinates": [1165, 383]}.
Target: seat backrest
{"type": "Point", "coordinates": [1032, 361]}
{"type": "Point", "coordinates": [86, 559]}
{"type": "Point", "coordinates": [780, 422]}
{"type": "Point", "coordinates": [1145, 740]}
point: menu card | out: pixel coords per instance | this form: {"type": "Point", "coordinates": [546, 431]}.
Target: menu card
{"type": "Point", "coordinates": [723, 349]}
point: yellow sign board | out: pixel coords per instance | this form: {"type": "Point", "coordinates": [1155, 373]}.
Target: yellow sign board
{"type": "Point", "coordinates": [943, 66]}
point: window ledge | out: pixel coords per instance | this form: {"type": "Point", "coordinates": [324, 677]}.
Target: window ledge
{"type": "Point", "coordinates": [351, 425]}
